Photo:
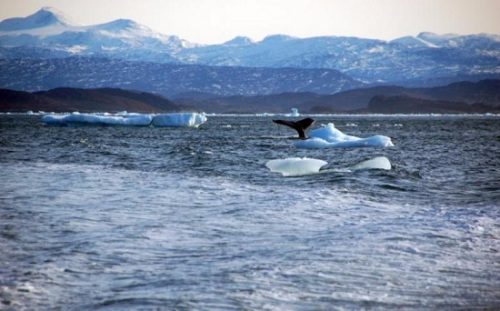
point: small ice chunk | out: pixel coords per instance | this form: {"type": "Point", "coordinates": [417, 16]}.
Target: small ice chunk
{"type": "Point", "coordinates": [295, 166]}
{"type": "Point", "coordinates": [294, 112]}
{"type": "Point", "coordinates": [307, 166]}
{"type": "Point", "coordinates": [381, 163]}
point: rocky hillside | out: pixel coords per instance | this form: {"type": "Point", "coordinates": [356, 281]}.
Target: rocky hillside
{"type": "Point", "coordinates": [167, 79]}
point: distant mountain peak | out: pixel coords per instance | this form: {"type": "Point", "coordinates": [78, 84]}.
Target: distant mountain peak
{"type": "Point", "coordinates": [119, 24]}
{"type": "Point", "coordinates": [411, 41]}
{"type": "Point", "coordinates": [428, 34]}
{"type": "Point", "coordinates": [45, 17]}
{"type": "Point", "coordinates": [239, 41]}
{"type": "Point", "coordinates": [277, 38]}
{"type": "Point", "coordinates": [436, 39]}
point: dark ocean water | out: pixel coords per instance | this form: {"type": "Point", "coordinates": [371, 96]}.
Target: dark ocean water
{"type": "Point", "coordinates": [112, 218]}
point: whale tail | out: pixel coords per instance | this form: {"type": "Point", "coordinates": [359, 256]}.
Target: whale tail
{"type": "Point", "coordinates": [300, 126]}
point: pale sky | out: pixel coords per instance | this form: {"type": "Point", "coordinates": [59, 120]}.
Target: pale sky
{"type": "Point", "coordinates": [217, 21]}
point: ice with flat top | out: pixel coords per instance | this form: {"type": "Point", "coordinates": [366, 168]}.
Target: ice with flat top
{"type": "Point", "coordinates": [179, 119]}
{"type": "Point", "coordinates": [187, 119]}
{"type": "Point", "coordinates": [97, 119]}
{"type": "Point", "coordinates": [330, 137]}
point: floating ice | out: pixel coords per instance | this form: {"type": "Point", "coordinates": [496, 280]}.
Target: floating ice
{"type": "Point", "coordinates": [126, 119]}
{"type": "Point", "coordinates": [308, 166]}
{"type": "Point", "coordinates": [95, 119]}
{"type": "Point", "coordinates": [330, 137]}
{"type": "Point", "coordinates": [295, 166]}
{"type": "Point", "coordinates": [294, 112]}
{"type": "Point", "coordinates": [179, 119]}
{"type": "Point", "coordinates": [381, 163]}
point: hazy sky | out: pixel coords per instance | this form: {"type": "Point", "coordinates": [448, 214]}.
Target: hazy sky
{"type": "Point", "coordinates": [217, 21]}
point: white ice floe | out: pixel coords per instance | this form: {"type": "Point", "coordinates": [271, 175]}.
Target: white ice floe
{"type": "Point", "coordinates": [380, 163]}
{"type": "Point", "coordinates": [330, 137]}
{"type": "Point", "coordinates": [95, 119]}
{"type": "Point", "coordinates": [308, 166]}
{"type": "Point", "coordinates": [294, 112]}
{"type": "Point", "coordinates": [126, 119]}
{"type": "Point", "coordinates": [295, 166]}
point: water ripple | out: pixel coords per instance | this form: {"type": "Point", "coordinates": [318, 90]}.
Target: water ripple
{"type": "Point", "coordinates": [148, 218]}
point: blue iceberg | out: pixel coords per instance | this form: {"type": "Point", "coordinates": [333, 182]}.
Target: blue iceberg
{"type": "Point", "coordinates": [179, 119]}
{"type": "Point", "coordinates": [172, 119]}
{"type": "Point", "coordinates": [98, 119]}
{"type": "Point", "coordinates": [330, 137]}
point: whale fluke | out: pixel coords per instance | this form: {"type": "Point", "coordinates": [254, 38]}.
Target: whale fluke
{"type": "Point", "coordinates": [300, 126]}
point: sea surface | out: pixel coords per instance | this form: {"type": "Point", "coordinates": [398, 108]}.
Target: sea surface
{"type": "Point", "coordinates": [125, 218]}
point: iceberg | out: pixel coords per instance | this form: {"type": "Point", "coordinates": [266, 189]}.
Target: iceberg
{"type": "Point", "coordinates": [126, 119]}
{"type": "Point", "coordinates": [294, 112]}
{"type": "Point", "coordinates": [330, 137]}
{"type": "Point", "coordinates": [179, 119]}
{"type": "Point", "coordinates": [308, 166]}
{"type": "Point", "coordinates": [96, 119]}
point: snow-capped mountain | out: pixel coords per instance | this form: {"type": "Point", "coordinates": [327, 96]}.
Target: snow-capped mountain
{"type": "Point", "coordinates": [48, 19]}
{"type": "Point", "coordinates": [49, 34]}
{"type": "Point", "coordinates": [410, 60]}
{"type": "Point", "coordinates": [423, 57]}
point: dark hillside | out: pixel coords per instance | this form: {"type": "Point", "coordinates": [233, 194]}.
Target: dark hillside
{"type": "Point", "coordinates": [464, 97]}
{"type": "Point", "coordinates": [406, 104]}
{"type": "Point", "coordinates": [85, 100]}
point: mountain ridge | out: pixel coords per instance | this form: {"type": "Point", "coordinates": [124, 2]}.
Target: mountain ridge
{"type": "Point", "coordinates": [480, 97]}
{"type": "Point", "coordinates": [86, 100]}
{"type": "Point", "coordinates": [423, 57]}
{"type": "Point", "coordinates": [46, 16]}
{"type": "Point", "coordinates": [464, 97]}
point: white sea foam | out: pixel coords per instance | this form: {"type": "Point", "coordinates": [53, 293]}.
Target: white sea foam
{"type": "Point", "coordinates": [116, 217]}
